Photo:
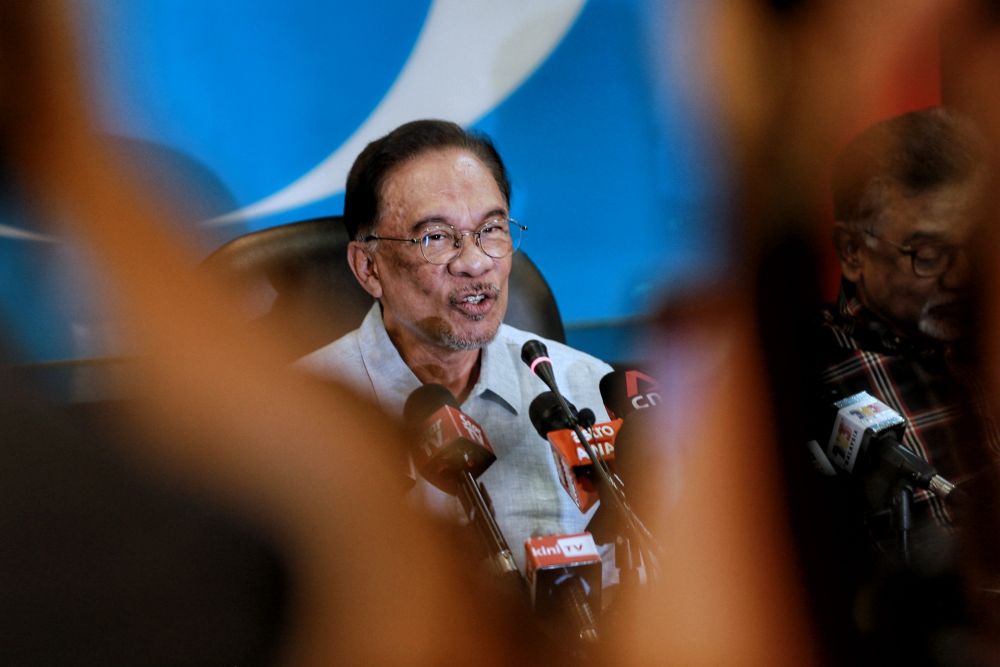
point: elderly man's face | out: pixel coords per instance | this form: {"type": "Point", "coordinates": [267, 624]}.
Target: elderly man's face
{"type": "Point", "coordinates": [454, 306]}
{"type": "Point", "coordinates": [886, 283]}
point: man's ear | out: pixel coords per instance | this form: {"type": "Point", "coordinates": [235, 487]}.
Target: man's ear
{"type": "Point", "coordinates": [848, 243]}
{"type": "Point", "coordinates": [363, 267]}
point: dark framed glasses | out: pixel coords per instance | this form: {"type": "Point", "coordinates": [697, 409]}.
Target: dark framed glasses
{"type": "Point", "coordinates": [930, 259]}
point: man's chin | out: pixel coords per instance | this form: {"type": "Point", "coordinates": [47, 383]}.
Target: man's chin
{"type": "Point", "coordinates": [472, 338]}
{"type": "Point", "coordinates": [946, 330]}
{"type": "Point", "coordinates": [461, 344]}
{"type": "Point", "coordinates": [946, 321]}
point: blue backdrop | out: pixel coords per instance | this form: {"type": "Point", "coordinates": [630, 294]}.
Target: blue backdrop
{"type": "Point", "coordinates": [274, 97]}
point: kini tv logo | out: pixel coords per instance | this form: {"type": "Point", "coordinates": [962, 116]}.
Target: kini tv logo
{"type": "Point", "coordinates": [562, 548]}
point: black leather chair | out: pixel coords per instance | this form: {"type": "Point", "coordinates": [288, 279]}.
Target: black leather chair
{"type": "Point", "coordinates": [297, 274]}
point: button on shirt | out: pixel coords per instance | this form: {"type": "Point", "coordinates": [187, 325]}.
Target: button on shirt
{"type": "Point", "coordinates": [523, 483]}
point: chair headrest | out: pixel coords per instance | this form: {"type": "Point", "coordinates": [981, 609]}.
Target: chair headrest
{"type": "Point", "coordinates": [297, 273]}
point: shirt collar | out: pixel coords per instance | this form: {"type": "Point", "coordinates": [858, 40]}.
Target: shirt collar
{"type": "Point", "coordinates": [393, 381]}
{"type": "Point", "coordinates": [864, 325]}
{"type": "Point", "coordinates": [499, 373]}
{"type": "Point", "coordinates": [391, 378]}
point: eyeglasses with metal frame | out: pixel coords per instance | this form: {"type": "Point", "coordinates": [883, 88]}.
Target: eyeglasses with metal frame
{"type": "Point", "coordinates": [441, 243]}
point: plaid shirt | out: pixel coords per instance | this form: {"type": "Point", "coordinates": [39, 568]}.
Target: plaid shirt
{"type": "Point", "coordinates": [919, 379]}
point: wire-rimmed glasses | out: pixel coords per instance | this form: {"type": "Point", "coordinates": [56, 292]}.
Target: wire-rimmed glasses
{"type": "Point", "coordinates": [441, 243]}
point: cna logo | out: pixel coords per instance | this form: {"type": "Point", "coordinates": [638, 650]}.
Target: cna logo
{"type": "Point", "coordinates": [637, 382]}
{"type": "Point", "coordinates": [642, 390]}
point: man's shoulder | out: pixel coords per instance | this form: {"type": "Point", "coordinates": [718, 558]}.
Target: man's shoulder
{"type": "Point", "coordinates": [834, 330]}
{"type": "Point", "coordinates": [336, 358]}
{"type": "Point", "coordinates": [346, 354]}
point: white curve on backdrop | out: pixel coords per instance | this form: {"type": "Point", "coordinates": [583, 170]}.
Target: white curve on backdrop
{"type": "Point", "coordinates": [10, 232]}
{"type": "Point", "coordinates": [470, 55]}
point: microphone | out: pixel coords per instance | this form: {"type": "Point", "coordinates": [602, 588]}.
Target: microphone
{"type": "Point", "coordinates": [865, 431]}
{"type": "Point", "coordinates": [624, 392]}
{"type": "Point", "coordinates": [635, 452]}
{"type": "Point", "coordinates": [536, 356]}
{"type": "Point", "coordinates": [451, 452]}
{"type": "Point", "coordinates": [564, 576]}
{"type": "Point", "coordinates": [573, 463]}
{"type": "Point", "coordinates": [634, 466]}
{"type": "Point", "coordinates": [627, 395]}
{"type": "Point", "coordinates": [449, 441]}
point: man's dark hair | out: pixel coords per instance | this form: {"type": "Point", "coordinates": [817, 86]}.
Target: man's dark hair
{"type": "Point", "coordinates": [363, 197]}
{"type": "Point", "coordinates": [917, 152]}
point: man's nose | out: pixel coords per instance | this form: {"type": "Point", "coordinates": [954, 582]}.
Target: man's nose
{"type": "Point", "coordinates": [958, 272]}
{"type": "Point", "coordinates": [471, 259]}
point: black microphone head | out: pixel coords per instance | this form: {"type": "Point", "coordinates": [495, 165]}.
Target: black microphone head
{"type": "Point", "coordinates": [424, 401]}
{"type": "Point", "coordinates": [624, 392]}
{"type": "Point", "coordinates": [536, 356]}
{"type": "Point", "coordinates": [614, 394]}
{"type": "Point", "coordinates": [532, 350]}
{"type": "Point", "coordinates": [441, 452]}
{"type": "Point", "coordinates": [546, 414]}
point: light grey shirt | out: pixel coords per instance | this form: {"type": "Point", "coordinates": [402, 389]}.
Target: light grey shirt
{"type": "Point", "coordinates": [522, 482]}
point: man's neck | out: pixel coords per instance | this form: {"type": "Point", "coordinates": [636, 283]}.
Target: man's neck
{"type": "Point", "coordinates": [456, 370]}
{"type": "Point", "coordinates": [458, 374]}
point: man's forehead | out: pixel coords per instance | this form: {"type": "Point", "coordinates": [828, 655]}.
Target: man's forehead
{"type": "Point", "coordinates": [445, 185]}
{"type": "Point", "coordinates": [946, 213]}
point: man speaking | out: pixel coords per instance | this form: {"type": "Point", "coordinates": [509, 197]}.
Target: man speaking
{"type": "Point", "coordinates": [428, 209]}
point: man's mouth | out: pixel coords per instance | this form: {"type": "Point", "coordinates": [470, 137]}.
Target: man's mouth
{"type": "Point", "coordinates": [474, 301]}
{"type": "Point", "coordinates": [945, 309]}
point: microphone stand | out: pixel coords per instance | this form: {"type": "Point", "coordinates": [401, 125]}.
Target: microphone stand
{"type": "Point", "coordinates": [606, 526]}
{"type": "Point", "coordinates": [903, 515]}
{"type": "Point", "coordinates": [608, 488]}
{"type": "Point", "coordinates": [475, 504]}
{"type": "Point", "coordinates": [627, 553]}
{"type": "Point", "coordinates": [534, 354]}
